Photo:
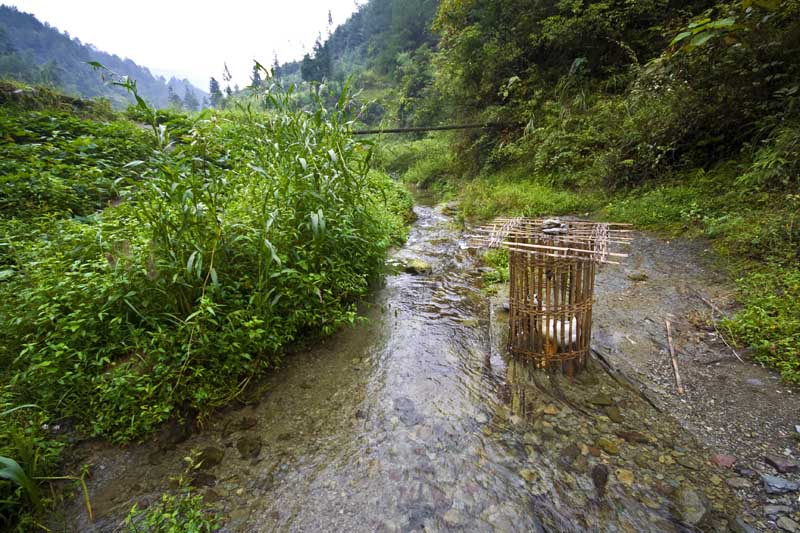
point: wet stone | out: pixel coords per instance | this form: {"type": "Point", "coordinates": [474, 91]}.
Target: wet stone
{"type": "Point", "coordinates": [784, 465]}
{"type": "Point", "coordinates": [771, 511]}
{"type": "Point", "coordinates": [453, 517]}
{"type": "Point", "coordinates": [625, 477]}
{"type": "Point", "coordinates": [247, 422]}
{"type": "Point", "coordinates": [550, 409]}
{"type": "Point", "coordinates": [417, 267]}
{"type": "Point", "coordinates": [249, 447]}
{"type": "Point", "coordinates": [778, 485]}
{"type": "Point", "coordinates": [725, 461]}
{"type": "Point", "coordinates": [203, 479]}
{"type": "Point", "coordinates": [686, 462]}
{"type": "Point", "coordinates": [602, 400]}
{"type": "Point", "coordinates": [570, 453]}
{"type": "Point", "coordinates": [211, 457]}
{"type": "Point", "coordinates": [738, 483]}
{"type": "Point", "coordinates": [607, 445]}
{"type": "Point", "coordinates": [407, 412]}
{"type": "Point", "coordinates": [600, 479]}
{"type": "Point", "coordinates": [787, 524]}
{"type": "Point", "coordinates": [613, 412]}
{"type": "Point", "coordinates": [633, 436]}
{"type": "Point", "coordinates": [691, 507]}
{"type": "Point", "coordinates": [738, 525]}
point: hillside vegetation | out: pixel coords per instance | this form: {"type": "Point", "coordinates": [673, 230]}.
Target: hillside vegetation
{"type": "Point", "coordinates": [150, 273]}
{"type": "Point", "coordinates": [678, 117]}
{"type": "Point", "coordinates": [37, 53]}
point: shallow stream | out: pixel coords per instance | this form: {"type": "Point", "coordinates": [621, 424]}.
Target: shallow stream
{"type": "Point", "coordinates": [418, 420]}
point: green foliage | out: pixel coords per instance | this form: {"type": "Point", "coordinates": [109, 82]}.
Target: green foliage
{"type": "Point", "coordinates": [247, 232]}
{"type": "Point", "coordinates": [55, 163]}
{"type": "Point", "coordinates": [180, 511]}
{"type": "Point", "coordinates": [27, 454]}
{"type": "Point", "coordinates": [513, 193]}
{"type": "Point", "coordinates": [498, 261]}
{"type": "Point", "coordinates": [770, 319]}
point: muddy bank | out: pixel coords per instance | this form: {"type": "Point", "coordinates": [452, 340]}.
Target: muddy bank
{"type": "Point", "coordinates": [419, 420]}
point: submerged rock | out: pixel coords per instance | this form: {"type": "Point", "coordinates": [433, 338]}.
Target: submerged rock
{"type": "Point", "coordinates": [417, 267]}
{"type": "Point", "coordinates": [249, 447]}
{"type": "Point", "coordinates": [600, 479]}
{"type": "Point", "coordinates": [613, 412]}
{"type": "Point", "coordinates": [787, 524]}
{"type": "Point", "coordinates": [603, 400]}
{"type": "Point", "coordinates": [625, 477]}
{"type": "Point", "coordinates": [738, 483]}
{"type": "Point", "coordinates": [607, 445]}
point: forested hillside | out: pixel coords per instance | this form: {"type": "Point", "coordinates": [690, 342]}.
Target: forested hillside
{"type": "Point", "coordinates": [679, 117]}
{"type": "Point", "coordinates": [386, 47]}
{"type": "Point", "coordinates": [37, 53]}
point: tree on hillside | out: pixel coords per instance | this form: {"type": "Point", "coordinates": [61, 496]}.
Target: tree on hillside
{"type": "Point", "coordinates": [190, 100]}
{"type": "Point", "coordinates": [255, 77]}
{"type": "Point", "coordinates": [173, 98]}
{"type": "Point", "coordinates": [318, 66]}
{"type": "Point", "coordinates": [215, 94]}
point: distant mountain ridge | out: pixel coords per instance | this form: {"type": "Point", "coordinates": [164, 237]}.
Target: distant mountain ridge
{"type": "Point", "coordinates": [35, 52]}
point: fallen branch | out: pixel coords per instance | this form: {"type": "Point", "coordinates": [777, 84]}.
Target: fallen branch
{"type": "Point", "coordinates": [674, 359]}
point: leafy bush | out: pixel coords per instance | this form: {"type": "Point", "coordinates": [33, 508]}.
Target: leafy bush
{"type": "Point", "coordinates": [770, 320]}
{"type": "Point", "coordinates": [182, 510]}
{"type": "Point", "coordinates": [57, 163]}
{"type": "Point", "coordinates": [257, 229]}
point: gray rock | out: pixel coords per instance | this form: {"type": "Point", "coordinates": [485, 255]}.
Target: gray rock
{"type": "Point", "coordinates": [690, 505]}
{"type": "Point", "coordinates": [738, 525]}
{"type": "Point", "coordinates": [453, 517]}
{"type": "Point", "coordinates": [784, 465]}
{"type": "Point", "coordinates": [407, 411]}
{"type": "Point", "coordinates": [771, 511]}
{"type": "Point", "coordinates": [738, 483]}
{"type": "Point", "coordinates": [787, 524]}
{"type": "Point", "coordinates": [778, 485]}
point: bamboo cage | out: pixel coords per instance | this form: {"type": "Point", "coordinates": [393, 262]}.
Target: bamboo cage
{"type": "Point", "coordinates": [552, 266]}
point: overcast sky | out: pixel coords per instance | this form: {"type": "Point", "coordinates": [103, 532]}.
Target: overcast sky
{"type": "Point", "coordinates": [193, 39]}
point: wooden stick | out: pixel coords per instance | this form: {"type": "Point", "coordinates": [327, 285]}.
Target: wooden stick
{"type": "Point", "coordinates": [554, 248]}
{"type": "Point", "coordinates": [674, 359]}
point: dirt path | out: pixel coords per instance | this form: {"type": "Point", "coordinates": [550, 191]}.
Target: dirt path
{"type": "Point", "coordinates": [736, 409]}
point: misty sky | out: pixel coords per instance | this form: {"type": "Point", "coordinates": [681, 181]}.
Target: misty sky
{"type": "Point", "coordinates": [192, 39]}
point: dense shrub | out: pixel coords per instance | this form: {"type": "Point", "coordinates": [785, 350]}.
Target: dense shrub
{"type": "Point", "coordinates": [252, 231]}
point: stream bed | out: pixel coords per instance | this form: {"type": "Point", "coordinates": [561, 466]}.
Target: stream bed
{"type": "Point", "coordinates": [418, 420]}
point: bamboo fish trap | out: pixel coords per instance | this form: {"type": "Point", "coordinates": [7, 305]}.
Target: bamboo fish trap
{"type": "Point", "coordinates": [552, 269]}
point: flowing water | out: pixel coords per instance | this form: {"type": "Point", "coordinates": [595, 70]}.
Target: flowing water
{"type": "Point", "coordinates": [417, 420]}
